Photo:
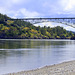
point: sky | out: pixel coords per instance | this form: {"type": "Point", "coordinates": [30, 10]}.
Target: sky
{"type": "Point", "coordinates": [38, 8]}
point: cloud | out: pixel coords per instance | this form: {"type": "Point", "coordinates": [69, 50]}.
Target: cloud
{"type": "Point", "coordinates": [27, 13]}
{"type": "Point", "coordinates": [10, 2]}
{"type": "Point", "coordinates": [68, 7]}
{"type": "Point", "coordinates": [17, 9]}
{"type": "Point", "coordinates": [24, 13]}
{"type": "Point", "coordinates": [58, 8]}
{"type": "Point", "coordinates": [44, 8]}
{"type": "Point", "coordinates": [16, 1]}
{"type": "Point", "coordinates": [68, 4]}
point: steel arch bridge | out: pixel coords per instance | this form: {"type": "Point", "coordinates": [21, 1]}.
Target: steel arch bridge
{"type": "Point", "coordinates": [66, 21]}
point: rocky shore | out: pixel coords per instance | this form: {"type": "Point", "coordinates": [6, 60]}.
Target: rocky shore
{"type": "Point", "coordinates": [65, 68]}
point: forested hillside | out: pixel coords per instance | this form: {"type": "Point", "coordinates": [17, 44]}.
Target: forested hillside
{"type": "Point", "coordinates": [18, 29]}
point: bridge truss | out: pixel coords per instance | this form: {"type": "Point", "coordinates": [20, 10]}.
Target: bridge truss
{"type": "Point", "coordinates": [66, 21]}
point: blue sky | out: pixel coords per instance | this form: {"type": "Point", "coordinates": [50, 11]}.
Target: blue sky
{"type": "Point", "coordinates": [38, 8]}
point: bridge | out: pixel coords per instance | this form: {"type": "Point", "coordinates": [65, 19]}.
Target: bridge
{"type": "Point", "coordinates": [66, 21]}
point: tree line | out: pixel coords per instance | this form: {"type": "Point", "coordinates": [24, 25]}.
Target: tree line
{"type": "Point", "coordinates": [17, 29]}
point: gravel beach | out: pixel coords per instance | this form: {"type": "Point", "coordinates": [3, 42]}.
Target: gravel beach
{"type": "Point", "coordinates": [65, 68]}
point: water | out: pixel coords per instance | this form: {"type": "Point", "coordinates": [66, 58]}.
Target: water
{"type": "Point", "coordinates": [18, 55]}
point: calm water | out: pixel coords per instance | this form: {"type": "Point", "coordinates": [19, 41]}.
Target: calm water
{"type": "Point", "coordinates": [18, 55]}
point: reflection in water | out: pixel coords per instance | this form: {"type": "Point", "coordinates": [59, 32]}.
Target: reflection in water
{"type": "Point", "coordinates": [21, 55]}
{"type": "Point", "coordinates": [14, 44]}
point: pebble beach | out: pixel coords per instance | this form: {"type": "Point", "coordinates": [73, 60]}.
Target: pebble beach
{"type": "Point", "coordinates": [65, 68]}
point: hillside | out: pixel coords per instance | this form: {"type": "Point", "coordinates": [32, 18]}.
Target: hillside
{"type": "Point", "coordinates": [24, 30]}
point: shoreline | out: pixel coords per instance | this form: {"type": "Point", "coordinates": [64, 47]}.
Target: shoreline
{"type": "Point", "coordinates": [35, 38]}
{"type": "Point", "coordinates": [64, 68]}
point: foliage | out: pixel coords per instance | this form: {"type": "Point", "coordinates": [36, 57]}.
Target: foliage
{"type": "Point", "coordinates": [18, 29]}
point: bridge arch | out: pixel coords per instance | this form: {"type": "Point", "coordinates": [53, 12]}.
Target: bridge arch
{"type": "Point", "coordinates": [66, 21]}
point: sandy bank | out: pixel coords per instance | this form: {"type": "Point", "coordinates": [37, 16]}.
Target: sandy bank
{"type": "Point", "coordinates": [65, 68]}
